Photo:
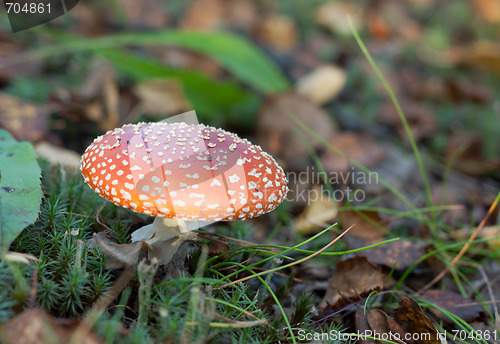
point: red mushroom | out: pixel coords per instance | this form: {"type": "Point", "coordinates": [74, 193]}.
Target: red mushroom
{"type": "Point", "coordinates": [183, 174]}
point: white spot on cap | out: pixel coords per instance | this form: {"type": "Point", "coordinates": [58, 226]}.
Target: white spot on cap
{"type": "Point", "coordinates": [155, 179]}
{"type": "Point", "coordinates": [143, 197]}
{"type": "Point", "coordinates": [126, 195]}
{"type": "Point", "coordinates": [179, 203]}
{"type": "Point", "coordinates": [215, 182]}
{"type": "Point", "coordinates": [129, 186]}
{"type": "Point", "coordinates": [234, 178]}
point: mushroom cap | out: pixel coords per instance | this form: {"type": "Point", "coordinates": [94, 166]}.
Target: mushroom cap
{"type": "Point", "coordinates": [190, 172]}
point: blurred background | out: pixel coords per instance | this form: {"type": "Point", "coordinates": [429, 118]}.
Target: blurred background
{"type": "Point", "coordinates": [291, 77]}
{"type": "Point", "coordinates": [248, 65]}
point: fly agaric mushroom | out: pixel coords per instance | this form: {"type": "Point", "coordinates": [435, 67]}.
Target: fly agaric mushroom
{"type": "Point", "coordinates": [185, 175]}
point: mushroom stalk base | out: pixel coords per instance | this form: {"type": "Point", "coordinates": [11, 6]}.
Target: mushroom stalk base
{"type": "Point", "coordinates": [165, 236]}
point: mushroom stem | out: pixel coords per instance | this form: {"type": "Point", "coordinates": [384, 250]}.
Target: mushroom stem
{"type": "Point", "coordinates": [165, 235]}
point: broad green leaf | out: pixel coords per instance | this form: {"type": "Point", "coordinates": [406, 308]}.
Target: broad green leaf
{"type": "Point", "coordinates": [211, 99]}
{"type": "Point", "coordinates": [233, 52]}
{"type": "Point", "coordinates": [20, 191]}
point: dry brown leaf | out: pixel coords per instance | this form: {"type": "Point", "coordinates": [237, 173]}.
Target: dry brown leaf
{"type": "Point", "coordinates": [119, 256]}
{"type": "Point", "coordinates": [320, 213]}
{"type": "Point", "coordinates": [145, 13]}
{"type": "Point", "coordinates": [468, 151]}
{"type": "Point", "coordinates": [242, 14]}
{"type": "Point", "coordinates": [421, 121]}
{"type": "Point", "coordinates": [492, 233]}
{"type": "Point", "coordinates": [333, 16]}
{"type": "Point", "coordinates": [35, 326]}
{"type": "Point", "coordinates": [480, 54]}
{"type": "Point", "coordinates": [358, 147]}
{"type": "Point", "coordinates": [101, 92]}
{"type": "Point", "coordinates": [380, 324]}
{"type": "Point", "coordinates": [465, 309]}
{"type": "Point", "coordinates": [58, 155]}
{"type": "Point", "coordinates": [23, 119]}
{"type": "Point", "coordinates": [367, 225]}
{"type": "Point", "coordinates": [97, 100]}
{"type": "Point", "coordinates": [489, 10]}
{"type": "Point", "coordinates": [322, 84]}
{"type": "Point", "coordinates": [417, 322]}
{"type": "Point", "coordinates": [353, 278]}
{"type": "Point", "coordinates": [203, 15]}
{"type": "Point", "coordinates": [161, 97]}
{"type": "Point", "coordinates": [399, 254]}
{"type": "Point", "coordinates": [277, 131]}
{"type": "Point", "coordinates": [279, 32]}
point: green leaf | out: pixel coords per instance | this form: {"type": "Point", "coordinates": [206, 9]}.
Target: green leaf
{"type": "Point", "coordinates": [20, 191]}
{"type": "Point", "coordinates": [233, 52]}
{"type": "Point", "coordinates": [212, 100]}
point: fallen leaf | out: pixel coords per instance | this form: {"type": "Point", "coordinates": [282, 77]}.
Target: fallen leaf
{"type": "Point", "coordinates": [35, 326]}
{"type": "Point", "coordinates": [468, 152]}
{"type": "Point", "coordinates": [100, 91]}
{"type": "Point", "coordinates": [322, 84]}
{"type": "Point", "coordinates": [162, 97]}
{"type": "Point", "coordinates": [483, 55]}
{"type": "Point", "coordinates": [418, 323]}
{"type": "Point", "coordinates": [489, 10]}
{"type": "Point", "coordinates": [58, 155]}
{"type": "Point", "coordinates": [25, 120]}
{"type": "Point", "coordinates": [492, 233]}
{"type": "Point", "coordinates": [367, 225]}
{"type": "Point", "coordinates": [465, 309]}
{"type": "Point", "coordinates": [277, 131]}
{"type": "Point", "coordinates": [333, 16]}
{"type": "Point", "coordinates": [421, 121]}
{"type": "Point", "coordinates": [279, 32]}
{"type": "Point", "coordinates": [148, 14]}
{"type": "Point", "coordinates": [119, 255]}
{"type": "Point", "coordinates": [399, 254]}
{"type": "Point", "coordinates": [203, 15]}
{"type": "Point", "coordinates": [97, 100]}
{"type": "Point", "coordinates": [319, 213]}
{"type": "Point", "coordinates": [355, 146]}
{"type": "Point", "coordinates": [242, 14]}
{"type": "Point", "coordinates": [380, 324]}
{"type": "Point", "coordinates": [20, 190]}
{"type": "Point", "coordinates": [353, 278]}
{"type": "Point", "coordinates": [362, 326]}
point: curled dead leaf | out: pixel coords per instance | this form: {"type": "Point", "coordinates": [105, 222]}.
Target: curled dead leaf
{"type": "Point", "coordinates": [417, 322]}
{"type": "Point", "coordinates": [279, 32]}
{"type": "Point", "coordinates": [35, 326]}
{"type": "Point", "coordinates": [353, 278]}
{"type": "Point", "coordinates": [320, 213]}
